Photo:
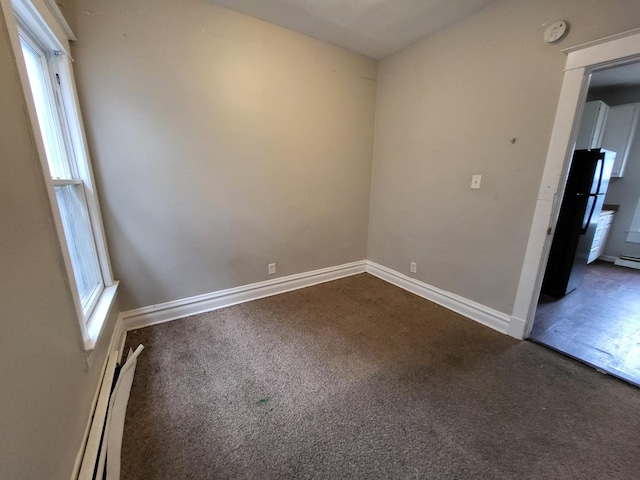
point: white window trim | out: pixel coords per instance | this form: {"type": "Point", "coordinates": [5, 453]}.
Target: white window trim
{"type": "Point", "coordinates": [633, 235]}
{"type": "Point", "coordinates": [43, 19]}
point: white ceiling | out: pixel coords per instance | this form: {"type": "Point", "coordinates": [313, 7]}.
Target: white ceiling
{"type": "Point", "coordinates": [624, 76]}
{"type": "Point", "coordinates": [376, 28]}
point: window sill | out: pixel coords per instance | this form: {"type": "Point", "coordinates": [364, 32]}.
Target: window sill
{"type": "Point", "coordinates": [98, 318]}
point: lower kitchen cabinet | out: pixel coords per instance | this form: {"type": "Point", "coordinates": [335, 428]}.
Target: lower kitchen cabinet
{"type": "Point", "coordinates": [602, 233]}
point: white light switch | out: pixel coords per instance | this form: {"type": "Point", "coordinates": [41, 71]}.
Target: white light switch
{"type": "Point", "coordinates": [475, 181]}
{"type": "Point", "coordinates": [413, 267]}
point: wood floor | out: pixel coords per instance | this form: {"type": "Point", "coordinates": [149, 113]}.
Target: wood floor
{"type": "Point", "coordinates": [598, 323]}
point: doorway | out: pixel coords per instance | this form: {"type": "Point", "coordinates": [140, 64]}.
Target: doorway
{"type": "Point", "coordinates": [595, 318]}
{"type": "Point", "coordinates": [582, 62]}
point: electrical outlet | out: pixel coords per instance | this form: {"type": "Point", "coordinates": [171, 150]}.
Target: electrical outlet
{"type": "Point", "coordinates": [475, 181]}
{"type": "Point", "coordinates": [413, 267]}
{"type": "Point", "coordinates": [272, 268]}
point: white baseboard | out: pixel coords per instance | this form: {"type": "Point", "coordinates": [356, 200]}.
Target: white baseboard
{"type": "Point", "coordinates": [165, 312]}
{"type": "Point", "coordinates": [486, 316]}
{"type": "Point", "coordinates": [517, 328]}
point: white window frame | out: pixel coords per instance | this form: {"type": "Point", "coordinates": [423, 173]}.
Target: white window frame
{"type": "Point", "coordinates": [633, 235]}
{"type": "Point", "coordinates": [40, 20]}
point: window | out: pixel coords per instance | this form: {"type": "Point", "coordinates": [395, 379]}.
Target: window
{"type": "Point", "coordinates": [633, 236]}
{"type": "Point", "coordinates": [69, 187]}
{"type": "Point", "coordinates": [58, 123]}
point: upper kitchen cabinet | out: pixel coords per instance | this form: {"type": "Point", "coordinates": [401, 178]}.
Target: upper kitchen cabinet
{"type": "Point", "coordinates": [592, 125]}
{"type": "Point", "coordinates": [619, 132]}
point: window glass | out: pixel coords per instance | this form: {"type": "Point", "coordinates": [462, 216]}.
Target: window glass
{"type": "Point", "coordinates": [45, 107]}
{"type": "Point", "coordinates": [77, 229]}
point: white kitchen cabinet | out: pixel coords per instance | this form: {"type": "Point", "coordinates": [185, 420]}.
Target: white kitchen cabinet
{"type": "Point", "coordinates": [619, 132]}
{"type": "Point", "coordinates": [592, 125]}
{"type": "Point", "coordinates": [601, 235]}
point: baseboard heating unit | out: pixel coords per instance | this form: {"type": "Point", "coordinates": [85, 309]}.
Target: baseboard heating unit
{"type": "Point", "coordinates": [101, 459]}
{"type": "Point", "coordinates": [626, 261]}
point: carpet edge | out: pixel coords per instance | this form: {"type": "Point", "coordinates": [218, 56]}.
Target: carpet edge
{"type": "Point", "coordinates": [176, 309]}
{"type": "Point", "coordinates": [482, 314]}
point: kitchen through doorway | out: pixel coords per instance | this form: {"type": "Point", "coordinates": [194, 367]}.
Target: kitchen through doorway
{"type": "Point", "coordinates": [589, 307]}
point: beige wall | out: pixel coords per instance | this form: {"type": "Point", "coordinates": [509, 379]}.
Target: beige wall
{"type": "Point", "coordinates": [46, 387]}
{"type": "Point", "coordinates": [625, 191]}
{"type": "Point", "coordinates": [222, 144]}
{"type": "Point", "coordinates": [68, 9]}
{"type": "Point", "coordinates": [448, 108]}
{"type": "Point", "coordinates": [225, 143]}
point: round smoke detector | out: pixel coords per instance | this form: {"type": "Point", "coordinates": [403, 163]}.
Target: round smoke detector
{"type": "Point", "coordinates": [556, 32]}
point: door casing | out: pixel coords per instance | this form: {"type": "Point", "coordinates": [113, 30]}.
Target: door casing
{"type": "Point", "coordinates": [582, 60]}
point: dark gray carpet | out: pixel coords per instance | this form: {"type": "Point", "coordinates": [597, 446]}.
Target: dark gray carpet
{"type": "Point", "coordinates": [359, 379]}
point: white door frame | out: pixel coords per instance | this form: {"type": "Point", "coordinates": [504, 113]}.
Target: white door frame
{"type": "Point", "coordinates": [581, 61]}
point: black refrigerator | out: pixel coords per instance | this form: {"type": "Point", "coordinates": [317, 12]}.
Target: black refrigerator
{"type": "Point", "coordinates": [582, 203]}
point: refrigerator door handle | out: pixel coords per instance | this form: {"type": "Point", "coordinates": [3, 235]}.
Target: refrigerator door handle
{"type": "Point", "coordinates": [601, 164]}
{"type": "Point", "coordinates": [585, 224]}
